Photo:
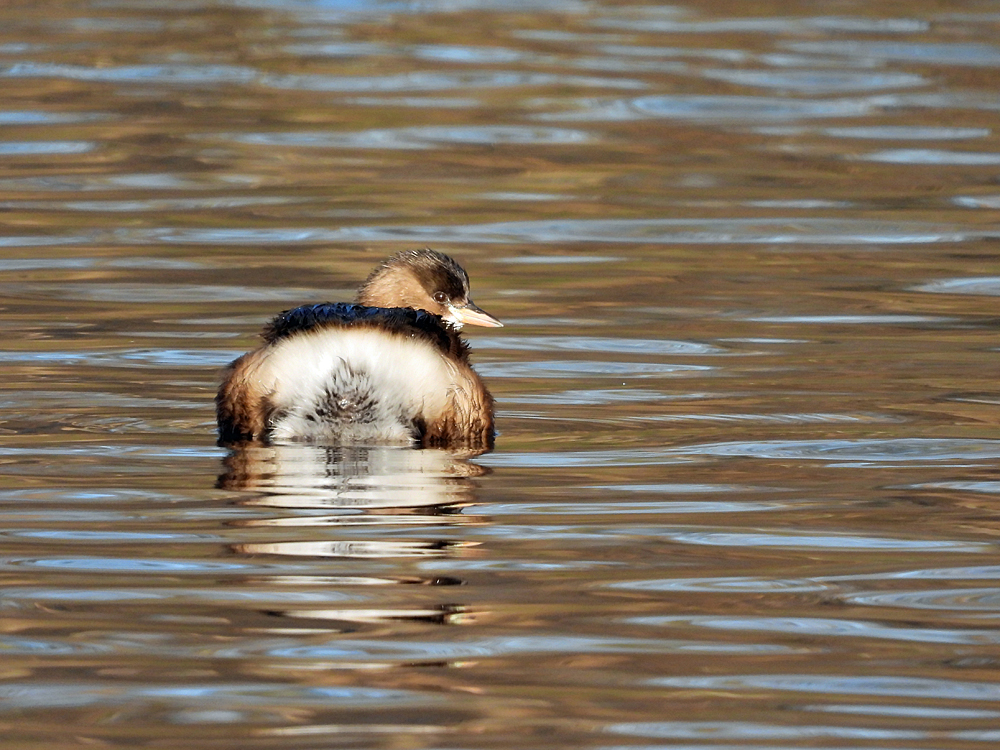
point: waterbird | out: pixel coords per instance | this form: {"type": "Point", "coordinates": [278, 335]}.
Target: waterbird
{"type": "Point", "coordinates": [388, 369]}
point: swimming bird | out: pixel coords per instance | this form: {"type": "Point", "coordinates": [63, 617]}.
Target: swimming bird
{"type": "Point", "coordinates": [389, 369]}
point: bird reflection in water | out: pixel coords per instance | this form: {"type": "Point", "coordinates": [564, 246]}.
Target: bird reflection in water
{"type": "Point", "coordinates": [368, 497]}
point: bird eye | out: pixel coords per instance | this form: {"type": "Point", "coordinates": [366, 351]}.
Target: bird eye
{"type": "Point", "coordinates": [440, 297]}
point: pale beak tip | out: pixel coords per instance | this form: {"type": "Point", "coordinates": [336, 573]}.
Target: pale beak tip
{"type": "Point", "coordinates": [474, 316]}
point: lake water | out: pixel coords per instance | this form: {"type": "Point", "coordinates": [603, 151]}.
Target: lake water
{"type": "Point", "coordinates": [745, 492]}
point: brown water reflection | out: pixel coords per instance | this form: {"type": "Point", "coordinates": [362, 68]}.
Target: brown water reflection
{"type": "Point", "coordinates": [744, 491]}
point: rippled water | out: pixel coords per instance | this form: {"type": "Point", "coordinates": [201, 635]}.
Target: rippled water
{"type": "Point", "coordinates": [745, 492]}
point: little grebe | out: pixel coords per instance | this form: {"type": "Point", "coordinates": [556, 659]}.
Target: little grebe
{"type": "Point", "coordinates": [390, 369]}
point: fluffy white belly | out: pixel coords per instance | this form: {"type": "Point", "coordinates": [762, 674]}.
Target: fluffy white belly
{"type": "Point", "coordinates": [360, 386]}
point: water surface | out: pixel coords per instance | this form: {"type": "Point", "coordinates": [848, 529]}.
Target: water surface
{"type": "Point", "coordinates": [744, 493]}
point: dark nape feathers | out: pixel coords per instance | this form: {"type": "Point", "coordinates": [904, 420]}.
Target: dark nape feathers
{"type": "Point", "coordinates": [400, 320]}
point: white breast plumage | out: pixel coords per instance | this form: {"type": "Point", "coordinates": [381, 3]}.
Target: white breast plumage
{"type": "Point", "coordinates": [356, 385]}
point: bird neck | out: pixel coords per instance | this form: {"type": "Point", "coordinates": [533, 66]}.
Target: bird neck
{"type": "Point", "coordinates": [388, 289]}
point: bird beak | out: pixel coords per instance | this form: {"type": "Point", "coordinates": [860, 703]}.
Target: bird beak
{"type": "Point", "coordinates": [471, 315]}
